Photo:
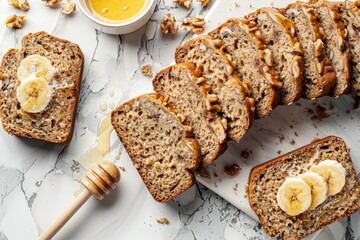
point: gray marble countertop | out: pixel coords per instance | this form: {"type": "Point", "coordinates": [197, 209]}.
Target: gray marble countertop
{"type": "Point", "coordinates": [38, 180]}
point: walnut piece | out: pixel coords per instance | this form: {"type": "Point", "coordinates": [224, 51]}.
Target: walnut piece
{"type": "Point", "coordinates": [21, 4]}
{"type": "Point", "coordinates": [184, 3]}
{"type": "Point", "coordinates": [15, 21]}
{"type": "Point", "coordinates": [168, 24]}
{"type": "Point", "coordinates": [68, 8]}
{"type": "Point", "coordinates": [146, 70]}
{"type": "Point", "coordinates": [51, 3]}
{"type": "Point", "coordinates": [203, 2]}
{"type": "Point", "coordinates": [195, 24]}
{"type": "Point", "coordinates": [163, 220]}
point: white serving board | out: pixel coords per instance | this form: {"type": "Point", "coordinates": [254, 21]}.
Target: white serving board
{"type": "Point", "coordinates": [295, 122]}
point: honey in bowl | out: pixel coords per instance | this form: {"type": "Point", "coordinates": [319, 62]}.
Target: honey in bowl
{"type": "Point", "coordinates": [115, 11]}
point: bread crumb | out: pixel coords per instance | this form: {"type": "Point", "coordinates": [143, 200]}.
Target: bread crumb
{"type": "Point", "coordinates": [235, 187]}
{"type": "Point", "coordinates": [215, 174]}
{"type": "Point", "coordinates": [281, 138]}
{"type": "Point", "coordinates": [118, 156]}
{"type": "Point", "coordinates": [357, 102]}
{"type": "Point", "coordinates": [296, 134]}
{"type": "Point", "coordinates": [146, 70]}
{"type": "Point", "coordinates": [292, 142]}
{"type": "Point", "coordinates": [251, 6]}
{"type": "Point", "coordinates": [162, 220]}
{"type": "Point", "coordinates": [298, 104]}
{"type": "Point", "coordinates": [122, 168]}
{"type": "Point", "coordinates": [322, 114]}
{"type": "Point", "coordinates": [279, 152]}
{"type": "Point", "coordinates": [232, 170]}
{"type": "Point", "coordinates": [237, 5]}
{"type": "Point", "coordinates": [245, 154]}
{"type": "Point", "coordinates": [203, 172]}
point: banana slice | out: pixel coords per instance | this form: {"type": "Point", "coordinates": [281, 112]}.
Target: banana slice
{"type": "Point", "coordinates": [35, 66]}
{"type": "Point", "coordinates": [318, 188]}
{"type": "Point", "coordinates": [294, 196]}
{"type": "Point", "coordinates": [333, 173]}
{"type": "Point", "coordinates": [34, 94]}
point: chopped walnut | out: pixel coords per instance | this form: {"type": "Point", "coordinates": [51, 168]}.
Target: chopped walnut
{"type": "Point", "coordinates": [168, 24]}
{"type": "Point", "coordinates": [195, 24]}
{"type": "Point", "coordinates": [15, 21]}
{"type": "Point", "coordinates": [232, 170]}
{"type": "Point", "coordinates": [122, 168]}
{"type": "Point", "coordinates": [68, 8]}
{"type": "Point", "coordinates": [163, 220]}
{"type": "Point", "coordinates": [51, 3]}
{"type": "Point", "coordinates": [21, 4]}
{"type": "Point", "coordinates": [184, 3]}
{"type": "Point", "coordinates": [203, 2]}
{"type": "Point", "coordinates": [146, 70]}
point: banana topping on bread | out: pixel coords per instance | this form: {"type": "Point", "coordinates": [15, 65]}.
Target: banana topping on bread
{"type": "Point", "coordinates": [36, 66]}
{"type": "Point", "coordinates": [318, 188]}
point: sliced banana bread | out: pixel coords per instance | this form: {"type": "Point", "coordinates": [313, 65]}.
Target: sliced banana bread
{"type": "Point", "coordinates": [178, 84]}
{"type": "Point", "coordinates": [319, 76]}
{"type": "Point", "coordinates": [55, 123]}
{"type": "Point", "coordinates": [218, 79]}
{"type": "Point", "coordinates": [351, 18]}
{"type": "Point", "coordinates": [158, 145]}
{"type": "Point", "coordinates": [266, 179]}
{"type": "Point", "coordinates": [279, 35]}
{"type": "Point", "coordinates": [335, 44]}
{"type": "Point", "coordinates": [254, 61]}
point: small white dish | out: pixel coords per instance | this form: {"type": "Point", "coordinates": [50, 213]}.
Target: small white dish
{"type": "Point", "coordinates": [123, 27]}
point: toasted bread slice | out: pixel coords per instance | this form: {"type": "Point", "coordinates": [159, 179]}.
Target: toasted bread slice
{"type": "Point", "coordinates": [159, 146]}
{"type": "Point", "coordinates": [244, 43]}
{"type": "Point", "coordinates": [55, 124]}
{"type": "Point", "coordinates": [319, 76]}
{"type": "Point", "coordinates": [265, 180]}
{"type": "Point", "coordinates": [279, 36]}
{"type": "Point", "coordinates": [335, 44]}
{"type": "Point", "coordinates": [178, 84]}
{"type": "Point", "coordinates": [234, 102]}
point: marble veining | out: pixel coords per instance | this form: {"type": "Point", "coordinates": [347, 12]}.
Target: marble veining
{"type": "Point", "coordinates": [38, 180]}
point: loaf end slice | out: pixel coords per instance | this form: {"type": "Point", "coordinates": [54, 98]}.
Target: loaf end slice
{"type": "Point", "coordinates": [335, 43]}
{"type": "Point", "coordinates": [158, 144]}
{"type": "Point", "coordinates": [253, 62]}
{"type": "Point", "coordinates": [279, 36]}
{"type": "Point", "coordinates": [350, 13]}
{"type": "Point", "coordinates": [55, 124]}
{"type": "Point", "coordinates": [265, 180]}
{"type": "Point", "coordinates": [179, 86]}
{"type": "Point", "coordinates": [319, 76]}
{"type": "Point", "coordinates": [233, 96]}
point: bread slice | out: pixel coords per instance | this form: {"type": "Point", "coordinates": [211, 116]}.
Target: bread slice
{"type": "Point", "coordinates": [335, 44]}
{"type": "Point", "coordinates": [54, 124]}
{"type": "Point", "coordinates": [233, 96]}
{"type": "Point", "coordinates": [178, 84]}
{"type": "Point", "coordinates": [243, 42]}
{"type": "Point", "coordinates": [265, 180]}
{"type": "Point", "coordinates": [278, 32]}
{"type": "Point", "coordinates": [351, 18]}
{"type": "Point", "coordinates": [319, 76]}
{"type": "Point", "coordinates": [158, 145]}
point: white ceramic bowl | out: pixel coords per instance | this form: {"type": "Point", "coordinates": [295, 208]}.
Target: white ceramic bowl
{"type": "Point", "coordinates": [124, 27]}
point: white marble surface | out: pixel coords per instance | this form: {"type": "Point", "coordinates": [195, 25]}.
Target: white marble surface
{"type": "Point", "coordinates": [38, 180]}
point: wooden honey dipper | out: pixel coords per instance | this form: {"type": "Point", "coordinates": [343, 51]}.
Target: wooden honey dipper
{"type": "Point", "coordinates": [97, 182]}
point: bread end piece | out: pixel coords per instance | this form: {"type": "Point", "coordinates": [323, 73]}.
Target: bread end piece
{"type": "Point", "coordinates": [265, 180]}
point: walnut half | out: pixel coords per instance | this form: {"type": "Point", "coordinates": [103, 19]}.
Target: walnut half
{"type": "Point", "coordinates": [195, 24]}
{"type": "Point", "coordinates": [15, 21]}
{"type": "Point", "coordinates": [51, 3]}
{"type": "Point", "coordinates": [184, 3]}
{"type": "Point", "coordinates": [21, 4]}
{"type": "Point", "coordinates": [146, 70]}
{"type": "Point", "coordinates": [168, 24]}
{"type": "Point", "coordinates": [68, 8]}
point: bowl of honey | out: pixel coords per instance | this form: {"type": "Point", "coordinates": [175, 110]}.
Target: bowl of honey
{"type": "Point", "coordinates": [117, 16]}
